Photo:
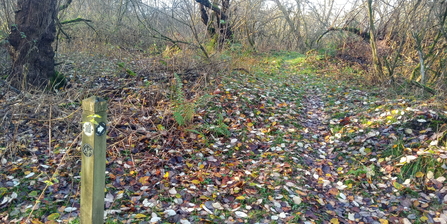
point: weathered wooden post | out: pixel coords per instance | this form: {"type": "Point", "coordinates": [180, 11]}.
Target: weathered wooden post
{"type": "Point", "coordinates": [94, 119]}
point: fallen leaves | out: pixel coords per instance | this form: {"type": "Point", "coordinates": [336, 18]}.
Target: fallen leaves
{"type": "Point", "coordinates": [263, 149]}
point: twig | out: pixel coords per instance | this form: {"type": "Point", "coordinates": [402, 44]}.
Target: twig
{"type": "Point", "coordinates": [54, 119]}
{"type": "Point", "coordinates": [49, 131]}
{"type": "Point", "coordinates": [10, 87]}
{"type": "Point", "coordinates": [424, 87]}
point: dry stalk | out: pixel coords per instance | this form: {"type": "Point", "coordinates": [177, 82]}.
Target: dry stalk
{"type": "Point", "coordinates": [53, 177]}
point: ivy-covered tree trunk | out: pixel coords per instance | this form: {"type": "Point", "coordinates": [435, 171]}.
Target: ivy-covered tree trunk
{"type": "Point", "coordinates": [219, 22]}
{"type": "Point", "coordinates": [31, 38]}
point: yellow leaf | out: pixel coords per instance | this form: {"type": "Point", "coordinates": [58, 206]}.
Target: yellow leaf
{"type": "Point", "coordinates": [53, 216]}
{"type": "Point", "coordinates": [36, 221]}
{"type": "Point", "coordinates": [419, 174]}
{"type": "Point", "coordinates": [383, 221]}
{"type": "Point", "coordinates": [335, 221]}
{"type": "Point", "coordinates": [195, 181]}
{"type": "Point", "coordinates": [423, 218]}
{"type": "Point", "coordinates": [166, 175]}
{"type": "Point", "coordinates": [139, 216]}
{"type": "Point", "coordinates": [3, 191]}
{"type": "Point", "coordinates": [397, 185]}
{"type": "Point", "coordinates": [189, 165]}
{"type": "Point", "coordinates": [160, 127]}
{"type": "Point", "coordinates": [201, 166]}
{"type": "Point", "coordinates": [49, 183]}
{"type": "Point", "coordinates": [205, 197]}
{"type": "Point", "coordinates": [250, 124]}
{"type": "Point", "coordinates": [240, 197]}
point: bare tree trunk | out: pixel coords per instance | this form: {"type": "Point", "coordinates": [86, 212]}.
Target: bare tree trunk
{"type": "Point", "coordinates": [289, 21]}
{"type": "Point", "coordinates": [31, 37]}
{"type": "Point", "coordinates": [376, 60]}
{"type": "Point", "coordinates": [6, 5]}
{"type": "Point", "coordinates": [298, 24]}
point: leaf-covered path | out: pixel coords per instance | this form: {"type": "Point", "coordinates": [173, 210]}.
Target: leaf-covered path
{"type": "Point", "coordinates": [287, 143]}
{"type": "Point", "coordinates": [282, 146]}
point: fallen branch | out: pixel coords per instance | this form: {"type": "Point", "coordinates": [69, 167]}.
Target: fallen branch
{"type": "Point", "coordinates": [9, 87]}
{"type": "Point", "coordinates": [75, 21]}
{"type": "Point", "coordinates": [424, 87]}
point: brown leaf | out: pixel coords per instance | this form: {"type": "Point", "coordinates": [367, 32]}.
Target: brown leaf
{"type": "Point", "coordinates": [345, 121]}
{"type": "Point", "coordinates": [333, 191]}
{"type": "Point", "coordinates": [144, 180]}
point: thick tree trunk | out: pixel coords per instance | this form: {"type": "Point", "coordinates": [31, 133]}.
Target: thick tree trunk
{"type": "Point", "coordinates": [226, 32]}
{"type": "Point", "coordinates": [31, 38]}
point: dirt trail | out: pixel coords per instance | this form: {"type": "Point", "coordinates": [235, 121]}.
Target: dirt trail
{"type": "Point", "coordinates": [323, 162]}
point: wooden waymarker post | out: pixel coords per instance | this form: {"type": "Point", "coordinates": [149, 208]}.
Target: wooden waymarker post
{"type": "Point", "coordinates": [94, 119]}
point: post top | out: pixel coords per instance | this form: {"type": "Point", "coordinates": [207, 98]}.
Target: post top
{"type": "Point", "coordinates": [94, 104]}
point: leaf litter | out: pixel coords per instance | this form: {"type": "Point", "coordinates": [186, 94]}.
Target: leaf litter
{"type": "Point", "coordinates": [276, 146]}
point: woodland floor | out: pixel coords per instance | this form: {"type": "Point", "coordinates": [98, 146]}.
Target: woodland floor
{"type": "Point", "coordinates": [291, 141]}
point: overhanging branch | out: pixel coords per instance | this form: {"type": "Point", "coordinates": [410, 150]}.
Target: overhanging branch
{"type": "Point", "coordinates": [364, 35]}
